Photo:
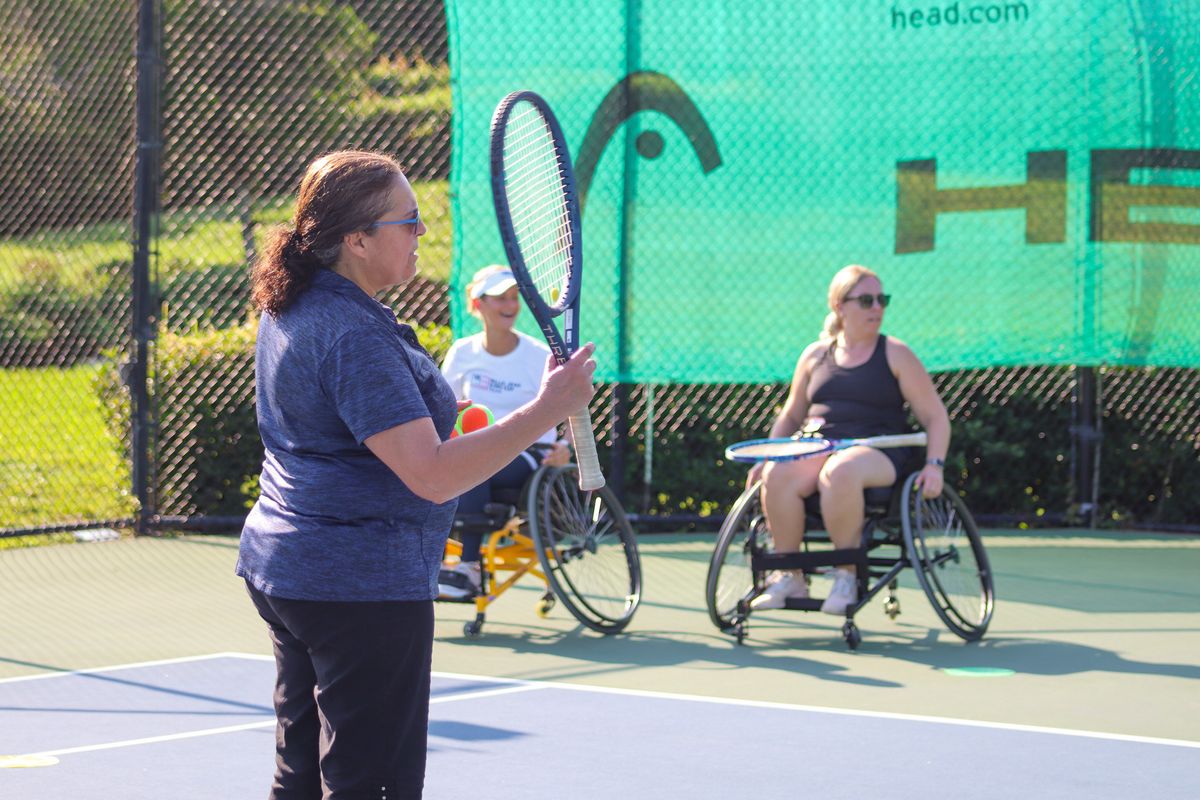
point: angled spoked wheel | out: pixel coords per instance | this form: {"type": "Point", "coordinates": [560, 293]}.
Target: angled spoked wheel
{"type": "Point", "coordinates": [730, 582]}
{"type": "Point", "coordinates": [947, 553]}
{"type": "Point", "coordinates": [586, 548]}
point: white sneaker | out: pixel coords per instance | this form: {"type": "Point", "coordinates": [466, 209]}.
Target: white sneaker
{"type": "Point", "coordinates": [462, 582]}
{"type": "Point", "coordinates": [780, 586]}
{"type": "Point", "coordinates": [843, 594]}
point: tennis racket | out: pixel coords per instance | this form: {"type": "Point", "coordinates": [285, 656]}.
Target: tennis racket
{"type": "Point", "coordinates": [793, 448]}
{"type": "Point", "coordinates": [533, 187]}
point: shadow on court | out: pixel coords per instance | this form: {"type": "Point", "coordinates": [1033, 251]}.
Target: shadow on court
{"type": "Point", "coordinates": [644, 649]}
{"type": "Point", "coordinates": [1028, 656]}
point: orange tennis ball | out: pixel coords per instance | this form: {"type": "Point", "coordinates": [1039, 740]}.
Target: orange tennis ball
{"type": "Point", "coordinates": [472, 418]}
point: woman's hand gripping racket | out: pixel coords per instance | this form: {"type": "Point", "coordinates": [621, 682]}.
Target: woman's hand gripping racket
{"type": "Point", "coordinates": [533, 187]}
{"type": "Point", "coordinates": [753, 451]}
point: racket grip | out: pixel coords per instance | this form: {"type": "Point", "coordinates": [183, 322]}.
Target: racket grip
{"type": "Point", "coordinates": [919, 439]}
{"type": "Point", "coordinates": [590, 476]}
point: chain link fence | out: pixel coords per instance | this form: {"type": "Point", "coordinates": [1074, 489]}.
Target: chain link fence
{"type": "Point", "coordinates": [246, 95]}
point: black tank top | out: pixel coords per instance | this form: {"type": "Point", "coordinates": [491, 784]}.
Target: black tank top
{"type": "Point", "coordinates": [857, 401]}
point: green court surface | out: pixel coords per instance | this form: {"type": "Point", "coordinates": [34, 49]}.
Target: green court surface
{"type": "Point", "coordinates": [1092, 631]}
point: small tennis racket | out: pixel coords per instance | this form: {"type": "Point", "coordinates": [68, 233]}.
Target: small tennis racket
{"type": "Point", "coordinates": [793, 448]}
{"type": "Point", "coordinates": [533, 187]}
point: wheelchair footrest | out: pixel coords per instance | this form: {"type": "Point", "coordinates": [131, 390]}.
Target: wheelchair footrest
{"type": "Point", "coordinates": [803, 603]}
{"type": "Point", "coordinates": [488, 521]}
{"type": "Point", "coordinates": [805, 561]}
{"type": "Point", "coordinates": [444, 599]}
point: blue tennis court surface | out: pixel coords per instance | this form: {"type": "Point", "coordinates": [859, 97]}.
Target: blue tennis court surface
{"type": "Point", "coordinates": [203, 728]}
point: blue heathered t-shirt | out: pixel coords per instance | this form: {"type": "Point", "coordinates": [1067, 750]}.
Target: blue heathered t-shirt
{"type": "Point", "coordinates": [333, 522]}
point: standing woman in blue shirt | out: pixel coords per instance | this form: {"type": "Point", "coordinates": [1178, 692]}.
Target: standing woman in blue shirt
{"type": "Point", "coordinates": [341, 552]}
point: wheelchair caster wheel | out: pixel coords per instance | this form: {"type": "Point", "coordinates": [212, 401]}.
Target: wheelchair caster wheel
{"type": "Point", "coordinates": [851, 635]}
{"type": "Point", "coordinates": [891, 607]}
{"type": "Point", "coordinates": [739, 631]}
{"type": "Point", "coordinates": [546, 604]}
{"type": "Point", "coordinates": [473, 629]}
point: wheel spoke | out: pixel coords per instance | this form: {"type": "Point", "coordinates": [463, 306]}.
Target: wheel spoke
{"type": "Point", "coordinates": [950, 561]}
{"type": "Point", "coordinates": [588, 551]}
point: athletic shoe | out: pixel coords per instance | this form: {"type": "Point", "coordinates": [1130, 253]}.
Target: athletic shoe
{"type": "Point", "coordinates": [461, 583]}
{"type": "Point", "coordinates": [843, 594]}
{"type": "Point", "coordinates": [780, 586]}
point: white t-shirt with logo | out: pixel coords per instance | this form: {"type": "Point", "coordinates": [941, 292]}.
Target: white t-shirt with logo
{"type": "Point", "coordinates": [502, 383]}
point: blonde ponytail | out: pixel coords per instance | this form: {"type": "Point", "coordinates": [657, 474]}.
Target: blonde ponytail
{"type": "Point", "coordinates": [841, 285]}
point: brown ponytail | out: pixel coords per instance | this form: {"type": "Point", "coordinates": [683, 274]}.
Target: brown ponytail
{"type": "Point", "coordinates": [341, 193]}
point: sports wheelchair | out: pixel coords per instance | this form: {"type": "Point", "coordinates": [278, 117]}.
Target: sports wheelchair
{"type": "Point", "coordinates": [579, 544]}
{"type": "Point", "coordinates": [937, 537]}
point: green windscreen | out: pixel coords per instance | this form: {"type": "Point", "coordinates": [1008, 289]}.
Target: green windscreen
{"type": "Point", "coordinates": [1024, 176]}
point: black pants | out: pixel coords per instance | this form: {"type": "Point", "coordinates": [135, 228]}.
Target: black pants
{"type": "Point", "coordinates": [351, 697]}
{"type": "Point", "coordinates": [473, 501]}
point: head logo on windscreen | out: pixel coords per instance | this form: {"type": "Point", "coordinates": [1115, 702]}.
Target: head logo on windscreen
{"type": "Point", "coordinates": [637, 92]}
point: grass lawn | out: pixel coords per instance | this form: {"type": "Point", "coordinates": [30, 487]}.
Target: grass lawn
{"type": "Point", "coordinates": [191, 239]}
{"type": "Point", "coordinates": [58, 465]}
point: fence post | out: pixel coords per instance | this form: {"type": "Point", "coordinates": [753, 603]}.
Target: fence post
{"type": "Point", "coordinates": [145, 206]}
{"type": "Point", "coordinates": [1085, 446]}
{"type": "Point", "coordinates": [620, 419]}
{"type": "Point", "coordinates": [245, 215]}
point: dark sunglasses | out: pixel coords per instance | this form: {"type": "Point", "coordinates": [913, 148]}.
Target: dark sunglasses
{"type": "Point", "coordinates": [868, 300]}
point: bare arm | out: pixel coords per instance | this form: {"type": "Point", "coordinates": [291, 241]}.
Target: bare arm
{"type": "Point", "coordinates": [795, 409]}
{"type": "Point", "coordinates": [917, 388]}
{"type": "Point", "coordinates": [440, 471]}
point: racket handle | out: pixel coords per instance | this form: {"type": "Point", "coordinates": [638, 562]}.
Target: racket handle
{"type": "Point", "coordinates": [590, 476]}
{"type": "Point", "coordinates": [900, 440]}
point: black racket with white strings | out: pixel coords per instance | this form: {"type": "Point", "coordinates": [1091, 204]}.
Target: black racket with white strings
{"type": "Point", "coordinates": [533, 187]}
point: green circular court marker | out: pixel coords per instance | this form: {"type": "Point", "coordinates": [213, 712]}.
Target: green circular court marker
{"type": "Point", "coordinates": [979, 672]}
{"type": "Point", "coordinates": [22, 762]}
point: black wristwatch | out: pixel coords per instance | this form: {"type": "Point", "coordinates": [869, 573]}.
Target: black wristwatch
{"type": "Point", "coordinates": [937, 462]}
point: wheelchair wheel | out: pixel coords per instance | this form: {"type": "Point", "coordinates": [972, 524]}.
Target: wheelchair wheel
{"type": "Point", "coordinates": [586, 548]}
{"type": "Point", "coordinates": [947, 553]}
{"type": "Point", "coordinates": [730, 581]}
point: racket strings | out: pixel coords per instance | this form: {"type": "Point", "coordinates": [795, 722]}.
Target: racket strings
{"type": "Point", "coordinates": [536, 195]}
{"type": "Point", "coordinates": [540, 219]}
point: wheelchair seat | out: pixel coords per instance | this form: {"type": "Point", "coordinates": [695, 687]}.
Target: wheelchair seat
{"type": "Point", "coordinates": [877, 501]}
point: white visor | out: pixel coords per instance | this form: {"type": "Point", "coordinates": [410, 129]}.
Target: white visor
{"type": "Point", "coordinates": [496, 283]}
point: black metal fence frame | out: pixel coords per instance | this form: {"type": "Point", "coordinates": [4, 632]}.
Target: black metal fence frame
{"type": "Point", "coordinates": [137, 371]}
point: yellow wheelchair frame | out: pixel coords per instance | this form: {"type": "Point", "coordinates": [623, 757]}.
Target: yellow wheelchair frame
{"type": "Point", "coordinates": [562, 532]}
{"type": "Point", "coordinates": [506, 550]}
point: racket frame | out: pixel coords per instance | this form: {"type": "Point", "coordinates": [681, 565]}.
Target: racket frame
{"type": "Point", "coordinates": [562, 345]}
{"type": "Point", "coordinates": [736, 451]}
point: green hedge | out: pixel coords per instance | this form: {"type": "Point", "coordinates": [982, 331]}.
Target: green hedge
{"type": "Point", "coordinates": [1009, 460]}
{"type": "Point", "coordinates": [45, 322]}
{"type": "Point", "coordinates": [209, 451]}
{"type": "Point", "coordinates": [207, 442]}
{"type": "Point", "coordinates": [1147, 481]}
{"type": "Point", "coordinates": [208, 297]}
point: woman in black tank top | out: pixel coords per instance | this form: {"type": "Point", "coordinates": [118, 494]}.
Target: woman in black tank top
{"type": "Point", "coordinates": [853, 382]}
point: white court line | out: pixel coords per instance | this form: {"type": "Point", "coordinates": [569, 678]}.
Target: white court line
{"type": "Point", "coordinates": [66, 673]}
{"type": "Point", "coordinates": [155, 739]}
{"type": "Point", "coordinates": [1008, 726]}
{"type": "Point", "coordinates": [171, 737]}
{"type": "Point", "coordinates": [517, 685]}
{"type": "Point", "coordinates": [530, 687]}
{"type": "Point", "coordinates": [508, 689]}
